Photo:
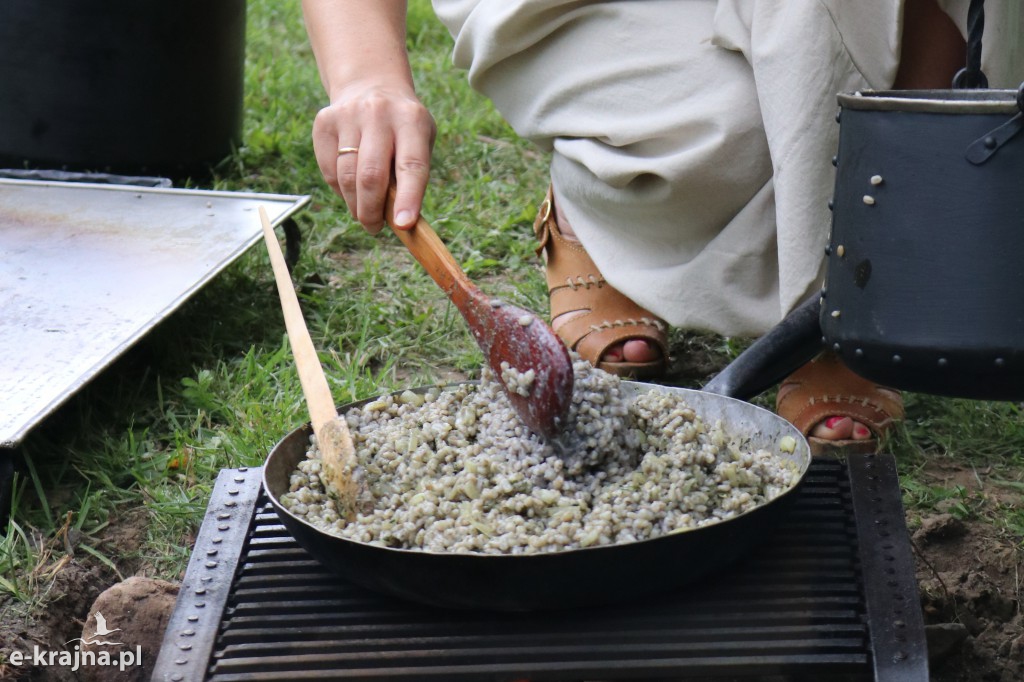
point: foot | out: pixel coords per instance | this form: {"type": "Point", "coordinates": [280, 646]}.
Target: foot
{"type": "Point", "coordinates": [630, 350]}
{"type": "Point", "coordinates": [835, 407]}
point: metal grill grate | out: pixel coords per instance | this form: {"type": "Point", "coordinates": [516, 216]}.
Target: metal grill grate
{"type": "Point", "coordinates": [799, 605]}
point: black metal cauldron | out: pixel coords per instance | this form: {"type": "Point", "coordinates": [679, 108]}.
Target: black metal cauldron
{"type": "Point", "coordinates": [926, 256]}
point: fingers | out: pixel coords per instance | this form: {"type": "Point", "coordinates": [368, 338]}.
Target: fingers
{"type": "Point", "coordinates": [412, 169]}
{"type": "Point", "coordinates": [360, 140]}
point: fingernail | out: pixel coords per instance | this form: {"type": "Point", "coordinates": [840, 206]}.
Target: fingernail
{"type": "Point", "coordinates": [403, 217]}
{"type": "Point", "coordinates": [861, 432]}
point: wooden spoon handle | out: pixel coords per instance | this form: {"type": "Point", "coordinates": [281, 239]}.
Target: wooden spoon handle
{"type": "Point", "coordinates": [424, 244]}
{"type": "Point", "coordinates": [322, 409]}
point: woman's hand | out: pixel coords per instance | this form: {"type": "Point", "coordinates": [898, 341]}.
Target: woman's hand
{"type": "Point", "coordinates": [375, 125]}
{"type": "Point", "coordinates": [370, 130]}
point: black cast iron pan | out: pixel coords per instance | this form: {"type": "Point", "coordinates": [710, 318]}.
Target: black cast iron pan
{"type": "Point", "coordinates": [571, 578]}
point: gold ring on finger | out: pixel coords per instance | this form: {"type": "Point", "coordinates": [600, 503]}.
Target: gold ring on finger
{"type": "Point", "coordinates": [348, 150]}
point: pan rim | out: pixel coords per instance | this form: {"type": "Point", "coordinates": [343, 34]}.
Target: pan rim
{"type": "Point", "coordinates": [801, 456]}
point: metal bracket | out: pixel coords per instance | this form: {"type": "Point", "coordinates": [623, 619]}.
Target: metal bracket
{"type": "Point", "coordinates": [192, 629]}
{"type": "Point", "coordinates": [896, 626]}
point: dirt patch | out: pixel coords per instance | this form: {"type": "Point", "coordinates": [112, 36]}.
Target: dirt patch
{"type": "Point", "coordinates": [971, 578]}
{"type": "Point", "coordinates": [73, 586]}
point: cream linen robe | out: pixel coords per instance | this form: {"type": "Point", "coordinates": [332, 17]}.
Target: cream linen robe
{"type": "Point", "coordinates": [692, 139]}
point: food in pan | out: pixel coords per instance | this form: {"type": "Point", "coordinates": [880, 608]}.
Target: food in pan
{"type": "Point", "coordinates": [454, 470]}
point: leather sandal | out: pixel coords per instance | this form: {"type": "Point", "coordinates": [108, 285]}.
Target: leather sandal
{"type": "Point", "coordinates": [606, 317]}
{"type": "Point", "coordinates": [825, 387]}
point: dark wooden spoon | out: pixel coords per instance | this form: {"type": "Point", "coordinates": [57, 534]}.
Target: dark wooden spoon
{"type": "Point", "coordinates": [505, 333]}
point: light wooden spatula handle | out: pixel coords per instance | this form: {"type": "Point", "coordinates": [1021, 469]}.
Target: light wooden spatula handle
{"type": "Point", "coordinates": [311, 374]}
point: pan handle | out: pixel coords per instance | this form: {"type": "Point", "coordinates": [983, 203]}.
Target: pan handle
{"type": "Point", "coordinates": [785, 347]}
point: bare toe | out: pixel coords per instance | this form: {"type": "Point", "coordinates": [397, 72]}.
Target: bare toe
{"type": "Point", "coordinates": [834, 428]}
{"type": "Point", "coordinates": [640, 350]}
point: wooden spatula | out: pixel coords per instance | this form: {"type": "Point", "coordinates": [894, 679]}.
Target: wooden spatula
{"type": "Point", "coordinates": [339, 466]}
{"type": "Point", "coordinates": [505, 333]}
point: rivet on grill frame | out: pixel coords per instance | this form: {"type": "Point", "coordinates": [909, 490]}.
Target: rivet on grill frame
{"type": "Point", "coordinates": [243, 468]}
{"type": "Point", "coordinates": [200, 590]}
{"type": "Point", "coordinates": [185, 647]}
{"type": "Point", "coordinates": [212, 552]}
{"type": "Point", "coordinates": [188, 633]}
{"type": "Point", "coordinates": [176, 677]}
{"type": "Point", "coordinates": [223, 517]}
{"type": "Point", "coordinates": [193, 619]}
{"type": "Point", "coordinates": [234, 491]}
{"type": "Point", "coordinates": [181, 661]}
{"type": "Point", "coordinates": [223, 526]}
{"type": "Point", "coordinates": [217, 541]}
{"type": "Point", "coordinates": [230, 503]}
{"type": "Point", "coordinates": [211, 564]}
{"type": "Point", "coordinates": [899, 656]}
{"type": "Point", "coordinates": [200, 605]}
{"type": "Point", "coordinates": [239, 479]}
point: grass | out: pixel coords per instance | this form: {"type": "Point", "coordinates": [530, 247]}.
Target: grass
{"type": "Point", "coordinates": [214, 385]}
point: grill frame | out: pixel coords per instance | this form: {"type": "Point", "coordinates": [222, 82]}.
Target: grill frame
{"type": "Point", "coordinates": [859, 609]}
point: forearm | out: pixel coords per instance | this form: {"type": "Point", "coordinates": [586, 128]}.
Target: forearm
{"type": "Point", "coordinates": [354, 40]}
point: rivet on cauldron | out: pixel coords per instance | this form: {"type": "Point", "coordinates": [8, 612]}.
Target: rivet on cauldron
{"type": "Point", "coordinates": [835, 313]}
{"type": "Point", "coordinates": [828, 250]}
{"type": "Point", "coordinates": [896, 359]}
{"type": "Point", "coordinates": [1000, 362]}
{"type": "Point", "coordinates": [840, 250]}
{"type": "Point", "coordinates": [839, 115]}
{"type": "Point", "coordinates": [989, 142]}
{"type": "Point", "coordinates": [836, 347]}
{"type": "Point", "coordinates": [869, 200]}
{"type": "Point", "coordinates": [835, 161]}
{"type": "Point", "coordinates": [831, 204]}
{"type": "Point", "coordinates": [859, 352]}
{"type": "Point", "coordinates": [876, 180]}
{"type": "Point", "coordinates": [943, 362]}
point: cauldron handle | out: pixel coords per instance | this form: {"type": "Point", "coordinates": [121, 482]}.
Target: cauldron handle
{"type": "Point", "coordinates": [785, 347]}
{"type": "Point", "coordinates": [971, 76]}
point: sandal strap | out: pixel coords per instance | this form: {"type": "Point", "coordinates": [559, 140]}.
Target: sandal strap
{"type": "Point", "coordinates": [568, 265]}
{"type": "Point", "coordinates": [825, 387]}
